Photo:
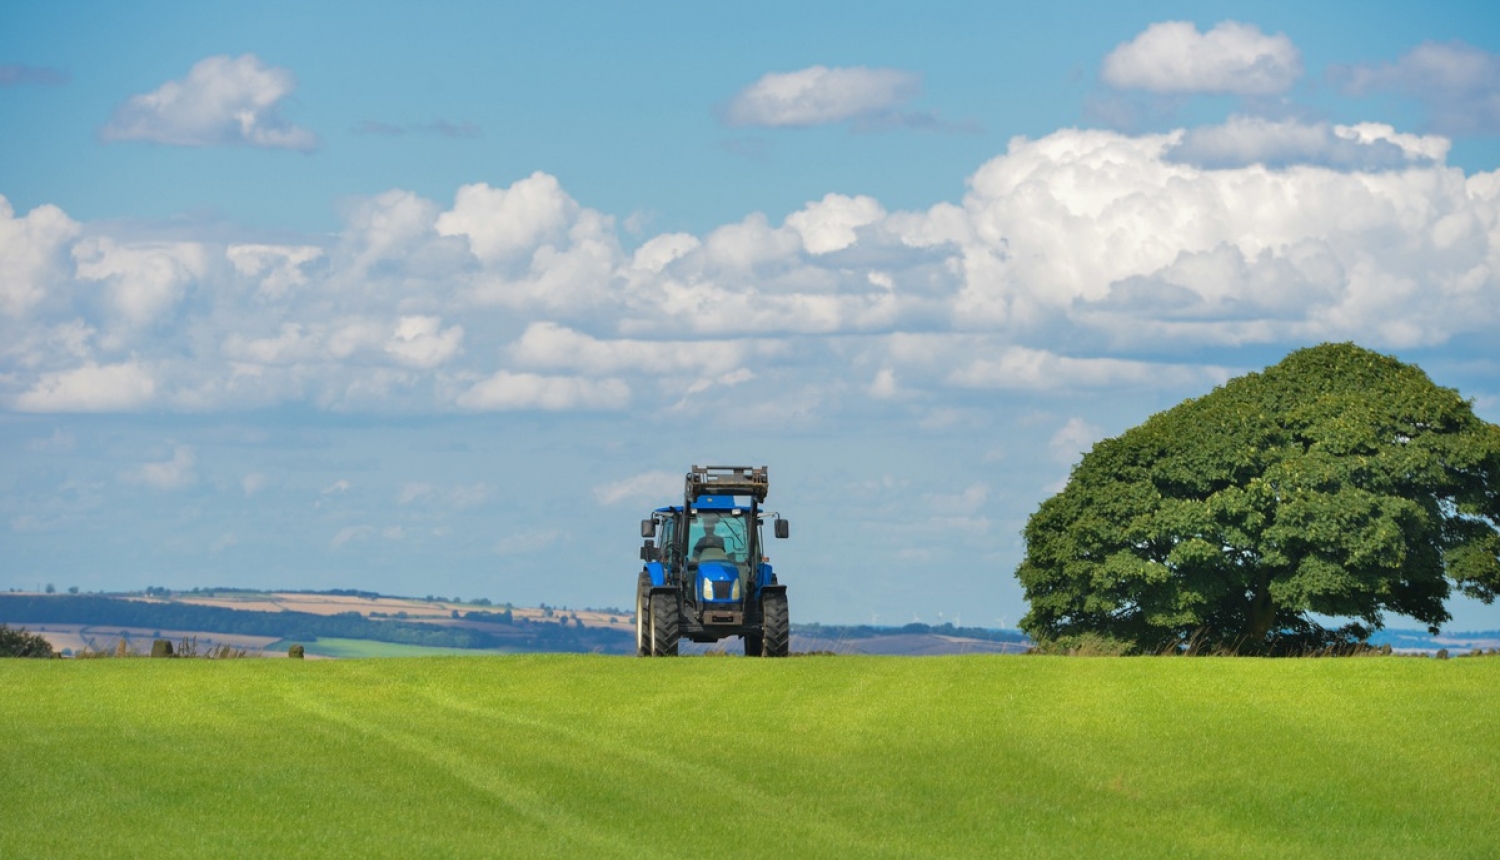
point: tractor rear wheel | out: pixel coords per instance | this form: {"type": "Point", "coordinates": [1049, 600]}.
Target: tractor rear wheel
{"type": "Point", "coordinates": [665, 625]}
{"type": "Point", "coordinates": [642, 622]}
{"type": "Point", "coordinates": [754, 644]}
{"type": "Point", "coordinates": [776, 625]}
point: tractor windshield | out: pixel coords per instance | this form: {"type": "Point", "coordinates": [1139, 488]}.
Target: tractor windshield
{"type": "Point", "coordinates": [719, 536]}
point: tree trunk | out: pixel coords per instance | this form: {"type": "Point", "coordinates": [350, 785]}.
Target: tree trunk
{"type": "Point", "coordinates": [1261, 613]}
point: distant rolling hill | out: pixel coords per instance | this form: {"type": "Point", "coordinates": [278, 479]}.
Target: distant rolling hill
{"type": "Point", "coordinates": [277, 617]}
{"type": "Point", "coordinates": [264, 621]}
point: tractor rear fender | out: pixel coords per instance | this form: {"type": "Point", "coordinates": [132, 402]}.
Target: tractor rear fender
{"type": "Point", "coordinates": [764, 574]}
{"type": "Point", "coordinates": [772, 589]}
{"type": "Point", "coordinates": [657, 572]}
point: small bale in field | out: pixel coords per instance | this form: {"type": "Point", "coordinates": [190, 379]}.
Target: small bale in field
{"type": "Point", "coordinates": [122, 649]}
{"type": "Point", "coordinates": [1386, 649]}
{"type": "Point", "coordinates": [1442, 654]}
{"type": "Point", "coordinates": [161, 648]}
{"type": "Point", "coordinates": [296, 652]}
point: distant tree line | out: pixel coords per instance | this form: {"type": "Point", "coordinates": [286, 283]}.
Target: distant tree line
{"type": "Point", "coordinates": [331, 592]}
{"type": "Point", "coordinates": [304, 626]}
{"type": "Point", "coordinates": [502, 617]}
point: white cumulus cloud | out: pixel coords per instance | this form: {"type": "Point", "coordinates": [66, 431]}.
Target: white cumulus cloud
{"type": "Point", "coordinates": [222, 101]}
{"type": "Point", "coordinates": [507, 391]}
{"type": "Point", "coordinates": [501, 223]}
{"type": "Point", "coordinates": [144, 280]}
{"type": "Point", "coordinates": [90, 388]}
{"type": "Point", "coordinates": [1458, 83]}
{"type": "Point", "coordinates": [31, 258]}
{"type": "Point", "coordinates": [830, 224]}
{"type": "Point", "coordinates": [538, 248]}
{"type": "Point", "coordinates": [1074, 439]}
{"type": "Point", "coordinates": [173, 474]}
{"type": "Point", "coordinates": [819, 95]}
{"type": "Point", "coordinates": [551, 346]}
{"type": "Point", "coordinates": [658, 252]}
{"type": "Point", "coordinates": [1246, 140]}
{"type": "Point", "coordinates": [278, 269]}
{"type": "Point", "coordinates": [392, 229]}
{"type": "Point", "coordinates": [418, 342]}
{"type": "Point", "coordinates": [648, 487]}
{"type": "Point", "coordinates": [1018, 367]}
{"type": "Point", "coordinates": [1069, 257]}
{"type": "Point", "coordinates": [292, 344]}
{"type": "Point", "coordinates": [1174, 57]}
{"type": "Point", "coordinates": [1064, 230]}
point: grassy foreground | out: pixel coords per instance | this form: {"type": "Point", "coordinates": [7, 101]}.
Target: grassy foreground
{"type": "Point", "coordinates": [581, 756]}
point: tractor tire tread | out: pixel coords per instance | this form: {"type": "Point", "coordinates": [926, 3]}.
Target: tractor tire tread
{"type": "Point", "coordinates": [776, 626]}
{"type": "Point", "coordinates": [642, 615]}
{"type": "Point", "coordinates": [666, 625]}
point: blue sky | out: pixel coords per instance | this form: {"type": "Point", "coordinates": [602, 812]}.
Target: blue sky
{"type": "Point", "coordinates": [439, 300]}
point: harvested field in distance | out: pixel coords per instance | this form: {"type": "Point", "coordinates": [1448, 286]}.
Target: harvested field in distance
{"type": "Point", "coordinates": [586, 756]}
{"type": "Point", "coordinates": [416, 609]}
{"type": "Point", "coordinates": [105, 636]}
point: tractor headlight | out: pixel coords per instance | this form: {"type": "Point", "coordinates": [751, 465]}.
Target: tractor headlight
{"type": "Point", "coordinates": [708, 589]}
{"type": "Point", "coordinates": [734, 591]}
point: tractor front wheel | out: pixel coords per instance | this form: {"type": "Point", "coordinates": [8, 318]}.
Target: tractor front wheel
{"type": "Point", "coordinates": [665, 625]}
{"type": "Point", "coordinates": [776, 625]}
{"type": "Point", "coordinates": [642, 621]}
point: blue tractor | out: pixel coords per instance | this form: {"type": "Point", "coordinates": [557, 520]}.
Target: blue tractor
{"type": "Point", "coordinates": [706, 575]}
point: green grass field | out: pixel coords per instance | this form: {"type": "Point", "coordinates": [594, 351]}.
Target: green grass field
{"type": "Point", "coordinates": [561, 755]}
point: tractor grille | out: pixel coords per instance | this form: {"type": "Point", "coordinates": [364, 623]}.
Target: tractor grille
{"type": "Point", "coordinates": [723, 590]}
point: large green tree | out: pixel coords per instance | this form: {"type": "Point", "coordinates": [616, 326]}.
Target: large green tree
{"type": "Point", "coordinates": [19, 643]}
{"type": "Point", "coordinates": [1339, 483]}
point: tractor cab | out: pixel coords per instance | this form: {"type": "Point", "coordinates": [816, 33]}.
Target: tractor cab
{"type": "Point", "coordinates": [723, 550]}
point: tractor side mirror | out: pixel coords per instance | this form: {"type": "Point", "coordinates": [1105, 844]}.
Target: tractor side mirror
{"type": "Point", "coordinates": [648, 551]}
{"type": "Point", "coordinates": [648, 528]}
{"type": "Point", "coordinates": [783, 528]}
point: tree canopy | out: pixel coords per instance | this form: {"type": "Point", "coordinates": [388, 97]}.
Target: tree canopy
{"type": "Point", "coordinates": [1339, 483]}
{"type": "Point", "coordinates": [19, 643]}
